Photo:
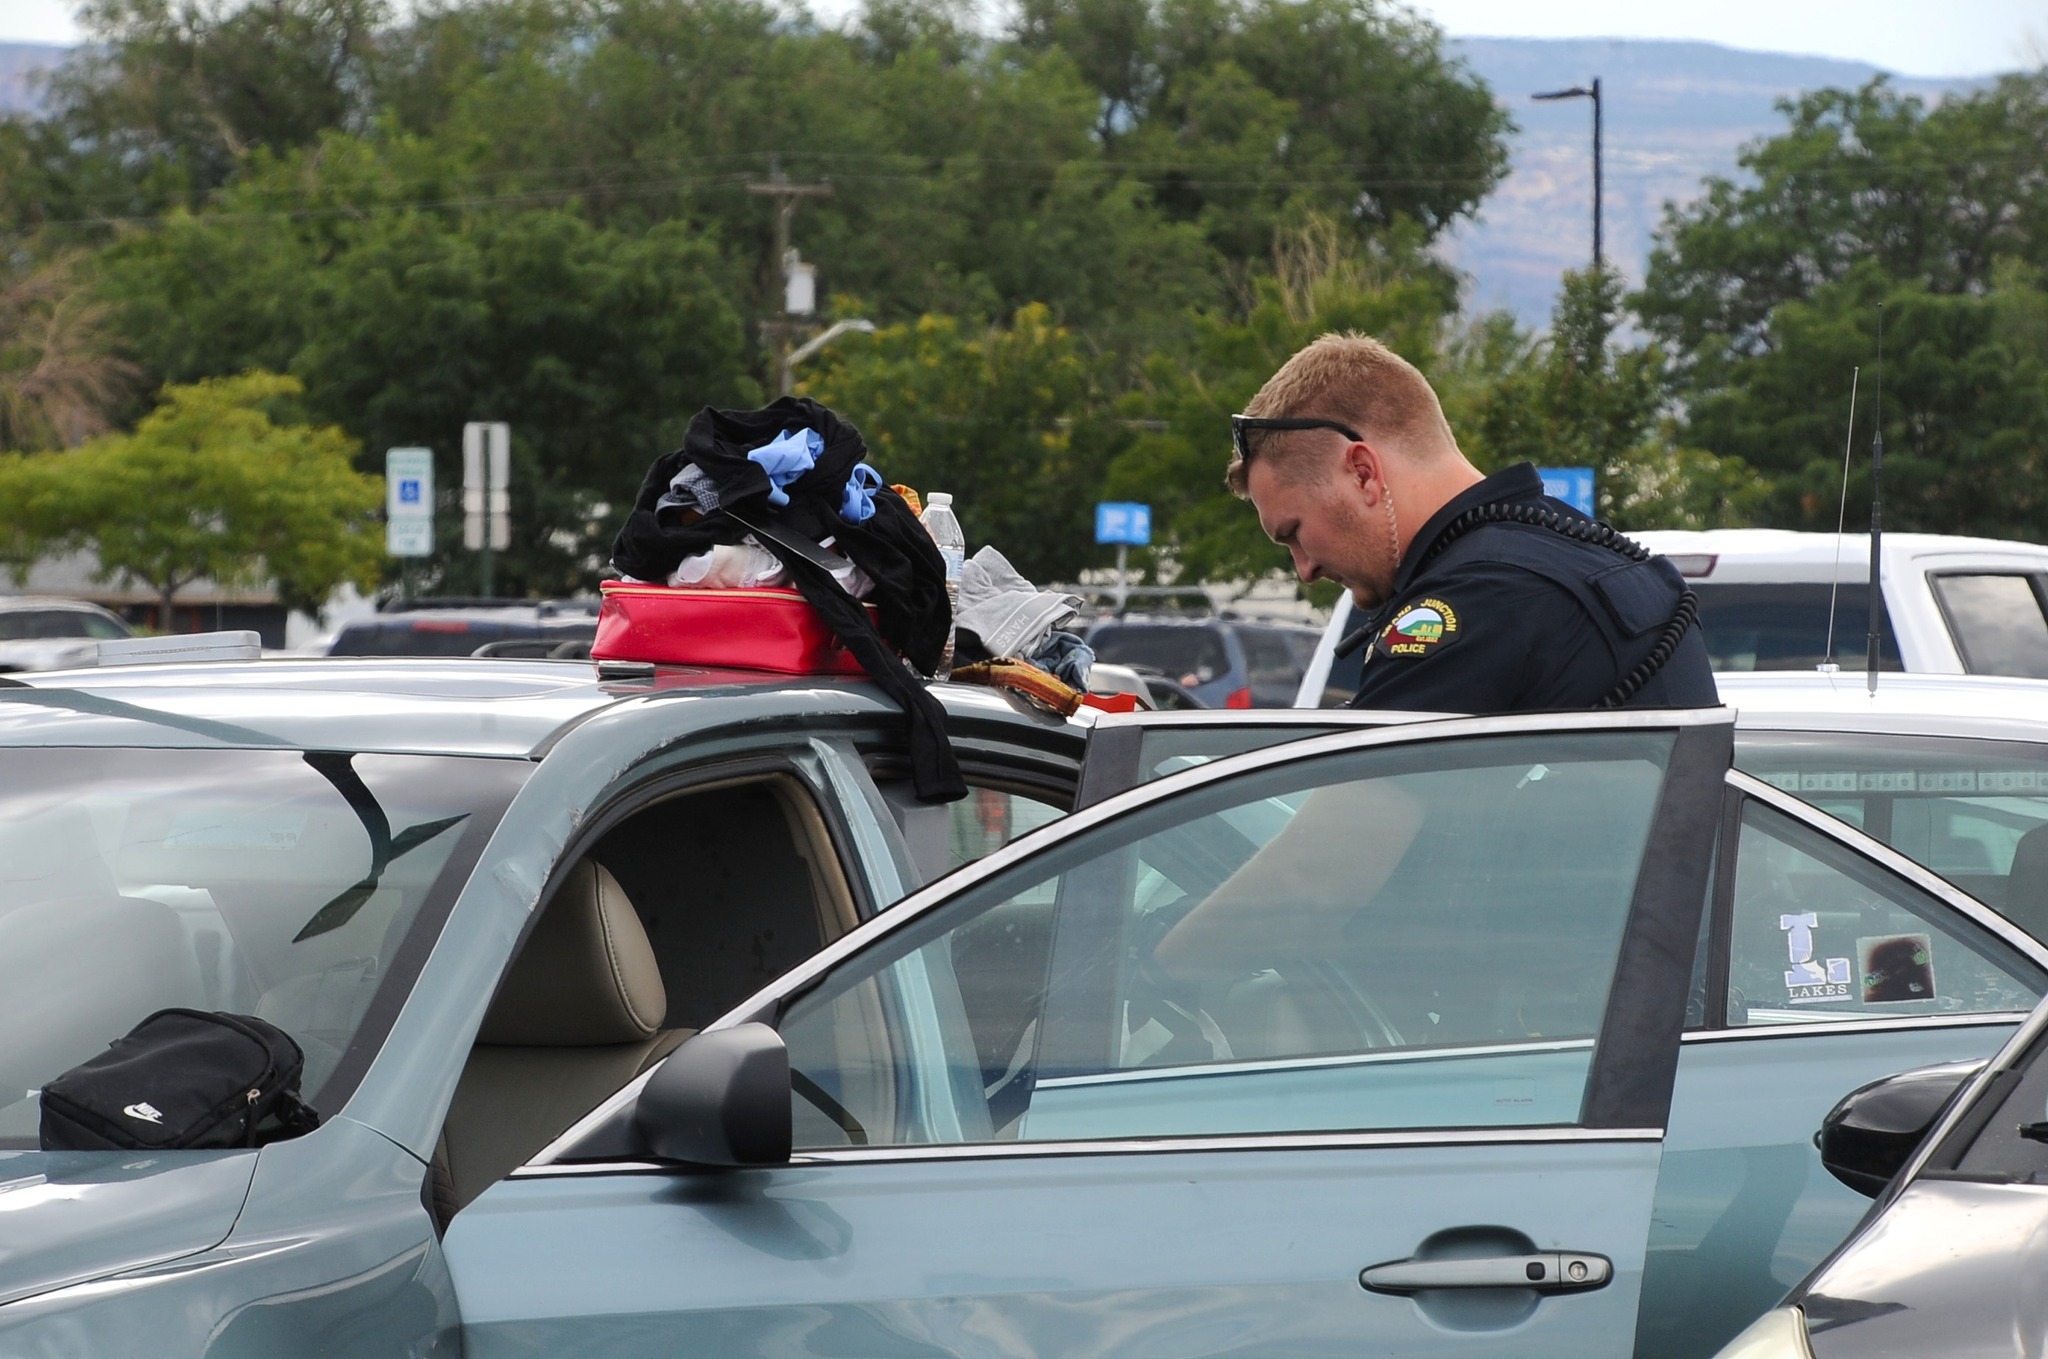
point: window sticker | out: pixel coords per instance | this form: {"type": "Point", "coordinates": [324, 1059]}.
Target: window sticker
{"type": "Point", "coordinates": [1809, 981]}
{"type": "Point", "coordinates": [1896, 968]}
{"type": "Point", "coordinates": [1908, 780]}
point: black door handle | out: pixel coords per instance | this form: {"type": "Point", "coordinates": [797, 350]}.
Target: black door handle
{"type": "Point", "coordinates": [1545, 1272]}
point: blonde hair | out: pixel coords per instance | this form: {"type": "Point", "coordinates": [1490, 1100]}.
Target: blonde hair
{"type": "Point", "coordinates": [1356, 381]}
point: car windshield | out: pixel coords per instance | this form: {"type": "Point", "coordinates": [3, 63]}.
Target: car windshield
{"type": "Point", "coordinates": [301, 887]}
{"type": "Point", "coordinates": [1192, 655]}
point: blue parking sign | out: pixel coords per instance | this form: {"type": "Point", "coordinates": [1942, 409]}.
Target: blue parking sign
{"type": "Point", "coordinates": [409, 491]}
{"type": "Point", "coordinates": [1123, 521]}
{"type": "Point", "coordinates": [1572, 485]}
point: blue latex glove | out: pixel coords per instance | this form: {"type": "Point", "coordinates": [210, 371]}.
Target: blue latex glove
{"type": "Point", "coordinates": [786, 457]}
{"type": "Point", "coordinates": [858, 505]}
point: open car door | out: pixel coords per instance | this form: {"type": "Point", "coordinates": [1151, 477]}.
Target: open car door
{"type": "Point", "coordinates": [1362, 1044]}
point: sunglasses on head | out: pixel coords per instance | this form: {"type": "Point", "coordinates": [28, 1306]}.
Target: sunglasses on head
{"type": "Point", "coordinates": [1240, 425]}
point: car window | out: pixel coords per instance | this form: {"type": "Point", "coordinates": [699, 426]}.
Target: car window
{"type": "Point", "coordinates": [1185, 652]}
{"type": "Point", "coordinates": [1819, 934]}
{"type": "Point", "coordinates": [1784, 626]}
{"type": "Point", "coordinates": [1417, 936]}
{"type": "Point", "coordinates": [1997, 623]}
{"type": "Point", "coordinates": [1973, 811]}
{"type": "Point", "coordinates": [258, 882]}
{"type": "Point", "coordinates": [34, 624]}
{"type": "Point", "coordinates": [952, 835]}
{"type": "Point", "coordinates": [1268, 659]}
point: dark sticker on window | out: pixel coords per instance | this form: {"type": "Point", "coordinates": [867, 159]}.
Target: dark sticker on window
{"type": "Point", "coordinates": [1896, 968]}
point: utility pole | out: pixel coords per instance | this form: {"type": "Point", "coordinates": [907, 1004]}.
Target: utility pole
{"type": "Point", "coordinates": [779, 332]}
{"type": "Point", "coordinates": [1581, 92]}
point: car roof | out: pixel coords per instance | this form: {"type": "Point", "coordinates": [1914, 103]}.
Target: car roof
{"type": "Point", "coordinates": [1988, 706]}
{"type": "Point", "coordinates": [414, 705]}
{"type": "Point", "coordinates": [1745, 555]}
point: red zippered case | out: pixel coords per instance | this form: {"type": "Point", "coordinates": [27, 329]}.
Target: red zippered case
{"type": "Point", "coordinates": [771, 629]}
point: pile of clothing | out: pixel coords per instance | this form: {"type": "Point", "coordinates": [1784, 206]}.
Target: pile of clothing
{"type": "Point", "coordinates": [790, 484]}
{"type": "Point", "coordinates": [1005, 618]}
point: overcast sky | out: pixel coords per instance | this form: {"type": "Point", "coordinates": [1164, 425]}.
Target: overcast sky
{"type": "Point", "coordinates": [1913, 37]}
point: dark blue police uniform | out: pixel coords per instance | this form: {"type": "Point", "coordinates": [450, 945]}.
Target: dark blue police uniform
{"type": "Point", "coordinates": [1520, 617]}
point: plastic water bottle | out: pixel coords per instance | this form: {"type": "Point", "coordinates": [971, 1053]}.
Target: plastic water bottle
{"type": "Point", "coordinates": [939, 521]}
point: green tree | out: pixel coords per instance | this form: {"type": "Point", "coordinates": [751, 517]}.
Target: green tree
{"type": "Point", "coordinates": [1323, 280]}
{"type": "Point", "coordinates": [184, 90]}
{"type": "Point", "coordinates": [1965, 404]}
{"type": "Point", "coordinates": [1766, 295]}
{"type": "Point", "coordinates": [1574, 398]}
{"type": "Point", "coordinates": [208, 486]}
{"type": "Point", "coordinates": [1009, 419]}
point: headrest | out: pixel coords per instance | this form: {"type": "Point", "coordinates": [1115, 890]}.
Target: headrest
{"type": "Point", "coordinates": [2026, 886]}
{"type": "Point", "coordinates": [587, 975]}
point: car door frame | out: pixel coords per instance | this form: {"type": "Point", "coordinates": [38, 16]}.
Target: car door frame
{"type": "Point", "coordinates": [1689, 812]}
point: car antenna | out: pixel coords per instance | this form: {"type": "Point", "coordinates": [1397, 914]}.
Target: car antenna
{"type": "Point", "coordinates": [1827, 665]}
{"type": "Point", "coordinates": [1876, 508]}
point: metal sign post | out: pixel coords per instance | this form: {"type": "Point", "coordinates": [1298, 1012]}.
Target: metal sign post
{"type": "Point", "coordinates": [408, 507]}
{"type": "Point", "coordinates": [486, 490]}
{"type": "Point", "coordinates": [1123, 522]}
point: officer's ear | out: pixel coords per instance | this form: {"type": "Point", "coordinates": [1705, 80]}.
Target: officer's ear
{"type": "Point", "coordinates": [1363, 464]}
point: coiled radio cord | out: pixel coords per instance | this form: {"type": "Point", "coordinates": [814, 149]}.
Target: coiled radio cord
{"type": "Point", "coordinates": [1590, 531]}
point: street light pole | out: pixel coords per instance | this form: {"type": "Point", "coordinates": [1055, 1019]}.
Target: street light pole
{"type": "Point", "coordinates": [813, 345]}
{"type": "Point", "coordinates": [1581, 92]}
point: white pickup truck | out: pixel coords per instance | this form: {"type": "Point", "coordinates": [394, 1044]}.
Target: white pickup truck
{"type": "Point", "coordinates": [1952, 605]}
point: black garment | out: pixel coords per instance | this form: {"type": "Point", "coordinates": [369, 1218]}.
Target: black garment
{"type": "Point", "coordinates": [892, 547]}
{"type": "Point", "coordinates": [1519, 618]}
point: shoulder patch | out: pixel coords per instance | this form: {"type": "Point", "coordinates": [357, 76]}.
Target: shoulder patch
{"type": "Point", "coordinates": [1418, 629]}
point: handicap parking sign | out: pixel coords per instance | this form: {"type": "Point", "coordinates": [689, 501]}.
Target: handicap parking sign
{"type": "Point", "coordinates": [1123, 521]}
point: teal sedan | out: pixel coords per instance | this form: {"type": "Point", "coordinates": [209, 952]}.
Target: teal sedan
{"type": "Point", "coordinates": [1383, 1041]}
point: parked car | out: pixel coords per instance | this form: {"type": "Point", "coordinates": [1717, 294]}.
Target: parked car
{"type": "Point", "coordinates": [45, 632]}
{"type": "Point", "coordinates": [1948, 1261]}
{"type": "Point", "coordinates": [1950, 605]}
{"type": "Point", "coordinates": [487, 628]}
{"type": "Point", "coordinates": [1070, 1095]}
{"type": "Point", "coordinates": [1222, 662]}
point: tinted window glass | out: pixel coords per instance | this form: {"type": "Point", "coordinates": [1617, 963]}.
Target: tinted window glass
{"type": "Point", "coordinates": [943, 838]}
{"type": "Point", "coordinates": [1819, 934]}
{"type": "Point", "coordinates": [1973, 811]}
{"type": "Point", "coordinates": [1997, 624]}
{"type": "Point", "coordinates": [1268, 658]}
{"type": "Point", "coordinates": [1189, 653]}
{"type": "Point", "coordinates": [27, 624]}
{"type": "Point", "coordinates": [1785, 627]}
{"type": "Point", "coordinates": [1416, 936]}
{"type": "Point", "coordinates": [246, 881]}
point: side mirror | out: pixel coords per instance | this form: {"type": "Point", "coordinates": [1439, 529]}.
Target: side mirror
{"type": "Point", "coordinates": [1873, 1130]}
{"type": "Point", "coordinates": [720, 1099]}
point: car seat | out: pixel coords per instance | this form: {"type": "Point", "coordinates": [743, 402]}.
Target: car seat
{"type": "Point", "coordinates": [578, 1016]}
{"type": "Point", "coordinates": [2026, 884]}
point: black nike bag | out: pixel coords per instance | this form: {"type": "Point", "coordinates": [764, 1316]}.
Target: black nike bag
{"type": "Point", "coordinates": [180, 1080]}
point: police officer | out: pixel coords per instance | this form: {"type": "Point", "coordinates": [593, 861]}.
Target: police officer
{"type": "Point", "coordinates": [1483, 595]}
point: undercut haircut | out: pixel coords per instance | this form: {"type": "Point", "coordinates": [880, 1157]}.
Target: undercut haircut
{"type": "Point", "coordinates": [1354, 380]}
